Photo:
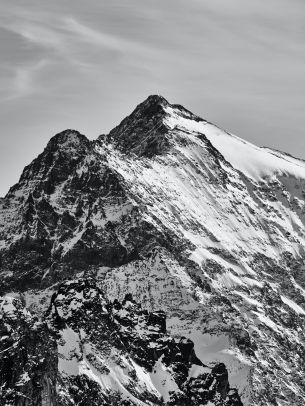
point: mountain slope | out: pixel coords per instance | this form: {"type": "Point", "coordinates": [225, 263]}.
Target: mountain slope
{"type": "Point", "coordinates": [186, 218]}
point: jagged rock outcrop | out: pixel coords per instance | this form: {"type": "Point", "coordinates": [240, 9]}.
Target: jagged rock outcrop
{"type": "Point", "coordinates": [89, 351]}
{"type": "Point", "coordinates": [128, 353]}
{"type": "Point", "coordinates": [143, 132]}
{"type": "Point", "coordinates": [188, 219]}
{"type": "Point", "coordinates": [28, 357]}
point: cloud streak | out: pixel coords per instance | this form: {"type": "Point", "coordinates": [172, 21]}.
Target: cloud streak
{"type": "Point", "coordinates": [57, 40]}
{"type": "Point", "coordinates": [23, 82]}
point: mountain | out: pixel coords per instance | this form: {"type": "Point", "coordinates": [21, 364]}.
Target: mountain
{"type": "Point", "coordinates": [161, 264]}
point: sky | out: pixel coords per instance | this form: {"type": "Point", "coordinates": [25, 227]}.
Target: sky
{"type": "Point", "coordinates": [85, 65]}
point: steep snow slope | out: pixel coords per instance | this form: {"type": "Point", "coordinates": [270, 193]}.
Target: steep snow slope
{"type": "Point", "coordinates": [241, 210]}
{"type": "Point", "coordinates": [196, 193]}
{"type": "Point", "coordinates": [255, 162]}
{"type": "Point", "coordinates": [188, 219]}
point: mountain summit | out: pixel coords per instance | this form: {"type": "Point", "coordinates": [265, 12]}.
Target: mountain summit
{"type": "Point", "coordinates": [146, 131]}
{"type": "Point", "coordinates": [143, 132]}
{"type": "Point", "coordinates": [161, 264]}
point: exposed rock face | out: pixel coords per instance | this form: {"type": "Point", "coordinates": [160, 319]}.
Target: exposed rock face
{"type": "Point", "coordinates": [112, 340]}
{"type": "Point", "coordinates": [28, 357]}
{"type": "Point", "coordinates": [66, 209]}
{"type": "Point", "coordinates": [133, 360]}
{"type": "Point", "coordinates": [143, 132]}
{"type": "Point", "coordinates": [198, 226]}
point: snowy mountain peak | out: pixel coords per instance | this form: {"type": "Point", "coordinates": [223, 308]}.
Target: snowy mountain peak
{"type": "Point", "coordinates": [68, 140]}
{"type": "Point", "coordinates": [154, 99]}
{"type": "Point", "coordinates": [143, 131]}
{"type": "Point", "coordinates": [57, 161]}
{"type": "Point", "coordinates": [157, 101]}
{"type": "Point", "coordinates": [166, 218]}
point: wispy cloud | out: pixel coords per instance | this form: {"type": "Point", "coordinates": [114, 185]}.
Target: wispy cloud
{"type": "Point", "coordinates": [62, 41]}
{"type": "Point", "coordinates": [24, 80]}
{"type": "Point", "coordinates": [100, 39]}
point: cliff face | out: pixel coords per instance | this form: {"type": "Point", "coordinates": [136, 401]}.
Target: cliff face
{"type": "Point", "coordinates": [48, 218]}
{"type": "Point", "coordinates": [87, 350]}
{"type": "Point", "coordinates": [185, 219]}
{"type": "Point", "coordinates": [28, 357]}
{"type": "Point", "coordinates": [128, 353]}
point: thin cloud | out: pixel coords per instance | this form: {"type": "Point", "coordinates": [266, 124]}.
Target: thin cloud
{"type": "Point", "coordinates": [24, 80]}
{"type": "Point", "coordinates": [40, 35]}
{"type": "Point", "coordinates": [63, 41]}
{"type": "Point", "coordinates": [98, 38]}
